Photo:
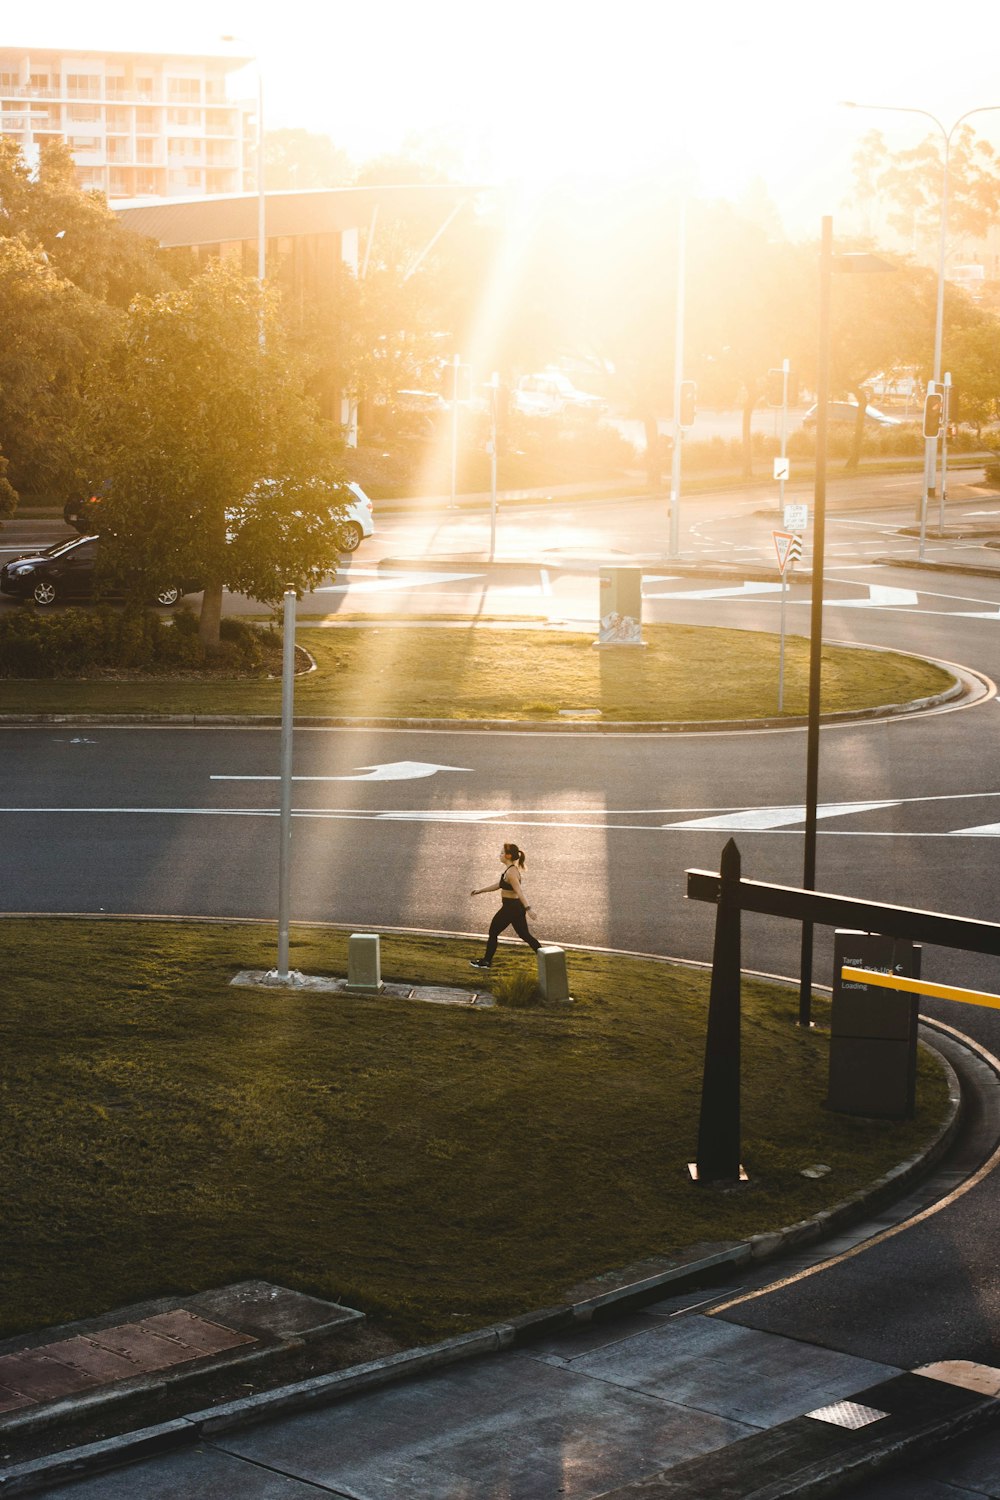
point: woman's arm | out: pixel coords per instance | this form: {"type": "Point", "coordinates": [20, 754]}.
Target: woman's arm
{"type": "Point", "coordinates": [484, 890]}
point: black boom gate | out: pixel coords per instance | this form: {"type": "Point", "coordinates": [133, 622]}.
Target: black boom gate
{"type": "Point", "coordinates": [719, 1123]}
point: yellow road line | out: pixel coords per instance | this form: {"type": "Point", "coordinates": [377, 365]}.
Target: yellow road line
{"type": "Point", "coordinates": [890, 1233]}
{"type": "Point", "coordinates": [922, 987]}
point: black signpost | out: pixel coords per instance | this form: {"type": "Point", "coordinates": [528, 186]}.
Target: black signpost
{"type": "Point", "coordinates": [719, 1128]}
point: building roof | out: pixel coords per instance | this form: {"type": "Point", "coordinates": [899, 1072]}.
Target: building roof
{"type": "Point", "coordinates": [231, 59]}
{"type": "Point", "coordinates": [213, 219]}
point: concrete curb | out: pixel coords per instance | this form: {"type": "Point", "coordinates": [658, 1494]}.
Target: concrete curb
{"type": "Point", "coordinates": [322, 1390]}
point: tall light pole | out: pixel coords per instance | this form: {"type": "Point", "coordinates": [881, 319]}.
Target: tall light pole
{"type": "Point", "coordinates": [930, 447]}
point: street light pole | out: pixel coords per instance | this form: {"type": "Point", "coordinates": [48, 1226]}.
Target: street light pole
{"type": "Point", "coordinates": [859, 262]}
{"type": "Point", "coordinates": [816, 615]}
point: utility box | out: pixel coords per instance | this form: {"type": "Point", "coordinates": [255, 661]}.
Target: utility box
{"type": "Point", "coordinates": [620, 607]}
{"type": "Point", "coordinates": [364, 964]}
{"type": "Point", "coordinates": [873, 1031]}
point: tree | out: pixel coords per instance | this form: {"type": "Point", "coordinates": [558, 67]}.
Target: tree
{"type": "Point", "coordinates": [78, 234]}
{"type": "Point", "coordinates": [67, 269]}
{"type": "Point", "coordinates": [910, 183]}
{"type": "Point", "coordinates": [304, 159]}
{"type": "Point", "coordinates": [752, 304]}
{"type": "Point", "coordinates": [52, 332]}
{"type": "Point", "coordinates": [214, 453]}
{"type": "Point", "coordinates": [878, 322]}
{"type": "Point", "coordinates": [972, 344]}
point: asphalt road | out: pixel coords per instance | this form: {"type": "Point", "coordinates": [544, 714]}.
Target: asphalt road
{"type": "Point", "coordinates": [394, 827]}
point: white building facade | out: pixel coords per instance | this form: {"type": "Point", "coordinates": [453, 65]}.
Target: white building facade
{"type": "Point", "coordinates": [157, 125]}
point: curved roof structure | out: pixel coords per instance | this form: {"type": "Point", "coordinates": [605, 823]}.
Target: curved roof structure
{"type": "Point", "coordinates": [233, 216]}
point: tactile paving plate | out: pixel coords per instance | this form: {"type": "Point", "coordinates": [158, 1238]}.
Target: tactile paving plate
{"type": "Point", "coordinates": [847, 1414]}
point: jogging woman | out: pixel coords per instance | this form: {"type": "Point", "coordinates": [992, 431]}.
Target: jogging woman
{"type": "Point", "coordinates": [513, 907]}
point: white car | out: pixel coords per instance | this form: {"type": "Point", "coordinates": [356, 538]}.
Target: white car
{"type": "Point", "coordinates": [354, 522]}
{"type": "Point", "coordinates": [551, 393]}
{"type": "Point", "coordinates": [358, 521]}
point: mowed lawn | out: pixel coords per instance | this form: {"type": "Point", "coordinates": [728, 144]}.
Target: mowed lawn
{"type": "Point", "coordinates": [382, 670]}
{"type": "Point", "coordinates": [435, 1167]}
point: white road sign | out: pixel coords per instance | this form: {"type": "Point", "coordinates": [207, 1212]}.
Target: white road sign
{"type": "Point", "coordinates": [782, 468]}
{"type": "Point", "coordinates": [795, 517]}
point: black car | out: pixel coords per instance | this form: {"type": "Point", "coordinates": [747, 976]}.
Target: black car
{"type": "Point", "coordinates": [66, 571]}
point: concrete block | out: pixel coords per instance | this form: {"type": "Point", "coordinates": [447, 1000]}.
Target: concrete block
{"type": "Point", "coordinates": [364, 964]}
{"type": "Point", "coordinates": [552, 979]}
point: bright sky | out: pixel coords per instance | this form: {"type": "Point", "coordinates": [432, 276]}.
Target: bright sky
{"type": "Point", "coordinates": [529, 89]}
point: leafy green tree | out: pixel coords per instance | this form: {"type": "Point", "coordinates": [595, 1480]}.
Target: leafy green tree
{"type": "Point", "coordinates": [879, 321]}
{"type": "Point", "coordinates": [304, 159]}
{"type": "Point", "coordinates": [52, 332]}
{"type": "Point", "coordinates": [67, 271]}
{"type": "Point", "coordinates": [81, 238]}
{"type": "Point", "coordinates": [972, 355]}
{"type": "Point", "coordinates": [909, 183]}
{"type": "Point", "coordinates": [752, 304]}
{"type": "Point", "coordinates": [215, 455]}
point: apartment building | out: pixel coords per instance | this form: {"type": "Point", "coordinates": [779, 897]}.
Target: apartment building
{"type": "Point", "coordinates": [158, 125]}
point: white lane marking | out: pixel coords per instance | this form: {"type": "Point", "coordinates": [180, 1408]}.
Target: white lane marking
{"type": "Point", "coordinates": [397, 770]}
{"type": "Point", "coordinates": [460, 815]}
{"type": "Point", "coordinates": [546, 581]}
{"type": "Point", "coordinates": [380, 583]}
{"type": "Point", "coordinates": [880, 596]}
{"type": "Point", "coordinates": [778, 817]}
{"type": "Point", "coordinates": [985, 830]}
{"type": "Point", "coordinates": [485, 819]}
{"type": "Point", "coordinates": [745, 590]}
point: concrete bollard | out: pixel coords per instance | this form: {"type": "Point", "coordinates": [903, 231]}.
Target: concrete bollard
{"type": "Point", "coordinates": [364, 965]}
{"type": "Point", "coordinates": [552, 978]}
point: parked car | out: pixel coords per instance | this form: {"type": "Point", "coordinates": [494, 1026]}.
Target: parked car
{"type": "Point", "coordinates": [358, 520]}
{"type": "Point", "coordinates": [67, 570]}
{"type": "Point", "coordinates": [353, 525]}
{"type": "Point", "coordinates": [847, 411]}
{"type": "Point", "coordinates": [551, 393]}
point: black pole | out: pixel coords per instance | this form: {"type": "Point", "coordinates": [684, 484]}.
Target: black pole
{"type": "Point", "coordinates": [719, 1123]}
{"type": "Point", "coordinates": [816, 615]}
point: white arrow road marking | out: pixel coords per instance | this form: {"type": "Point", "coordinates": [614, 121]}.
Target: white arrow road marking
{"type": "Point", "coordinates": [778, 817]}
{"type": "Point", "coordinates": [988, 830]}
{"type": "Point", "coordinates": [744, 591]}
{"type": "Point", "coordinates": [397, 770]}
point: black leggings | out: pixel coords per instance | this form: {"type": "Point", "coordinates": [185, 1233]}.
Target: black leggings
{"type": "Point", "coordinates": [511, 914]}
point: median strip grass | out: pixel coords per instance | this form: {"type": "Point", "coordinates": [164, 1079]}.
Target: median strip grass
{"type": "Point", "coordinates": [435, 1167]}
{"type": "Point", "coordinates": [381, 671]}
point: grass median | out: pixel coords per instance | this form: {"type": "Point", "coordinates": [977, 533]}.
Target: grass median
{"type": "Point", "coordinates": [436, 1167]}
{"type": "Point", "coordinates": [381, 670]}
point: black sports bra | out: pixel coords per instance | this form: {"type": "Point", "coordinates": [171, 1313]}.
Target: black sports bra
{"type": "Point", "coordinates": [505, 886]}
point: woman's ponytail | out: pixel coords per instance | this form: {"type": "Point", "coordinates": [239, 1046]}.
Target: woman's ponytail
{"type": "Point", "coordinates": [512, 852]}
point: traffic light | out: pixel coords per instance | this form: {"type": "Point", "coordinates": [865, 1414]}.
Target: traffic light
{"type": "Point", "coordinates": [952, 414]}
{"type": "Point", "coordinates": [933, 413]}
{"type": "Point", "coordinates": [775, 387]}
{"type": "Point", "coordinates": [689, 396]}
